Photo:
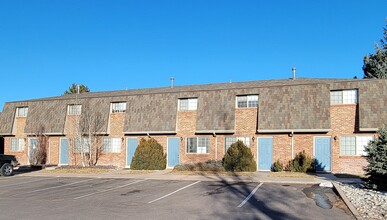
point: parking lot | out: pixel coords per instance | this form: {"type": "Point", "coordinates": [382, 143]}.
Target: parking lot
{"type": "Point", "coordinates": [26, 197]}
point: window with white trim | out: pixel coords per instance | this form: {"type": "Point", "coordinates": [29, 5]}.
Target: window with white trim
{"type": "Point", "coordinates": [354, 145]}
{"type": "Point", "coordinates": [22, 111]}
{"type": "Point", "coordinates": [247, 101]}
{"type": "Point", "coordinates": [118, 107]}
{"type": "Point", "coordinates": [17, 144]}
{"type": "Point", "coordinates": [198, 145]}
{"type": "Point", "coordinates": [74, 109]}
{"type": "Point", "coordinates": [344, 97]}
{"type": "Point", "coordinates": [82, 145]}
{"type": "Point", "coordinates": [231, 140]}
{"type": "Point", "coordinates": [112, 145]}
{"type": "Point", "coordinates": [188, 104]}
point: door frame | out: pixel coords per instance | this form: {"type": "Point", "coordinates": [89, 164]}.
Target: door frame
{"type": "Point", "coordinates": [330, 151]}
{"type": "Point", "coordinates": [60, 151]}
{"type": "Point", "coordinates": [258, 151]}
{"type": "Point", "coordinates": [178, 156]}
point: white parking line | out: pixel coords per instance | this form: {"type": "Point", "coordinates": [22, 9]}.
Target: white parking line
{"type": "Point", "coordinates": [249, 196]}
{"type": "Point", "coordinates": [16, 184]}
{"type": "Point", "coordinates": [55, 187]}
{"type": "Point", "coordinates": [107, 190]}
{"type": "Point", "coordinates": [173, 192]}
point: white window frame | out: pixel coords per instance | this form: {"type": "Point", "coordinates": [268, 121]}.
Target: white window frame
{"type": "Point", "coordinates": [343, 97]}
{"type": "Point", "coordinates": [20, 144]}
{"type": "Point", "coordinates": [118, 107]}
{"type": "Point", "coordinates": [85, 148]}
{"type": "Point", "coordinates": [112, 144]}
{"type": "Point", "coordinates": [201, 145]}
{"type": "Point", "coordinates": [74, 109]}
{"type": "Point", "coordinates": [21, 111]}
{"type": "Point", "coordinates": [244, 139]}
{"type": "Point", "coordinates": [252, 101]}
{"type": "Point", "coordinates": [190, 105]}
{"type": "Point", "coordinates": [357, 147]}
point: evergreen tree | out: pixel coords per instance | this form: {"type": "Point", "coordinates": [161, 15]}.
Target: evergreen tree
{"type": "Point", "coordinates": [239, 158]}
{"type": "Point", "coordinates": [375, 65]}
{"type": "Point", "coordinates": [73, 89]}
{"type": "Point", "coordinates": [149, 155]}
{"type": "Point", "coordinates": [377, 159]}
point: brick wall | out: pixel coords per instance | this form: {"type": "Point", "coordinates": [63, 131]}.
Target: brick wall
{"type": "Point", "coordinates": [18, 131]}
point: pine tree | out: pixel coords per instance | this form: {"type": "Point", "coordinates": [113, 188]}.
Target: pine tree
{"type": "Point", "coordinates": [377, 159]}
{"type": "Point", "coordinates": [149, 155]}
{"type": "Point", "coordinates": [375, 65]}
{"type": "Point", "coordinates": [239, 158]}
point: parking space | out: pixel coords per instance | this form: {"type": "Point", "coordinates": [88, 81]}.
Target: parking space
{"type": "Point", "coordinates": [94, 198]}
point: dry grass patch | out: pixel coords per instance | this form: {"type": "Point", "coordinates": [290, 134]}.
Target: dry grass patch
{"type": "Point", "coordinates": [134, 171]}
{"type": "Point", "coordinates": [210, 173]}
{"type": "Point", "coordinates": [292, 175]}
{"type": "Point", "coordinates": [79, 170]}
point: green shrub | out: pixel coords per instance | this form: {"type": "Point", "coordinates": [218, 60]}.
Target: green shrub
{"type": "Point", "coordinates": [277, 166]}
{"type": "Point", "coordinates": [377, 160]}
{"type": "Point", "coordinates": [301, 163]}
{"type": "Point", "coordinates": [149, 155]}
{"type": "Point", "coordinates": [239, 158]}
{"type": "Point", "coordinates": [211, 165]}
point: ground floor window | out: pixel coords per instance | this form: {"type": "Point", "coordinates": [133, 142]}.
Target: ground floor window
{"type": "Point", "coordinates": [82, 145]}
{"type": "Point", "coordinates": [230, 140]}
{"type": "Point", "coordinates": [198, 145]}
{"type": "Point", "coordinates": [354, 145]}
{"type": "Point", "coordinates": [17, 144]}
{"type": "Point", "coordinates": [112, 145]}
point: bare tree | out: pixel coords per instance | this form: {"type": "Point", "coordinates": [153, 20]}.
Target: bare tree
{"type": "Point", "coordinates": [38, 147]}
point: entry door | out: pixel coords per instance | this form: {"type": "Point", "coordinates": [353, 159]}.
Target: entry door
{"type": "Point", "coordinates": [64, 151]}
{"type": "Point", "coordinates": [265, 153]}
{"type": "Point", "coordinates": [322, 153]}
{"type": "Point", "coordinates": [131, 145]}
{"type": "Point", "coordinates": [173, 151]}
{"type": "Point", "coordinates": [32, 150]}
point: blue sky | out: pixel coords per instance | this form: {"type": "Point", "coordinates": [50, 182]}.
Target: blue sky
{"type": "Point", "coordinates": [46, 45]}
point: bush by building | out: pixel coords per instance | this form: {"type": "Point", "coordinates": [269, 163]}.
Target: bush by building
{"type": "Point", "coordinates": [211, 165]}
{"type": "Point", "coordinates": [301, 163]}
{"type": "Point", "coordinates": [239, 158]}
{"type": "Point", "coordinates": [278, 166]}
{"type": "Point", "coordinates": [149, 155]}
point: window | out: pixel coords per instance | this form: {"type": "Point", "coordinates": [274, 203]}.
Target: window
{"type": "Point", "coordinates": [82, 145]}
{"type": "Point", "coordinates": [230, 140]}
{"type": "Point", "coordinates": [17, 144]}
{"type": "Point", "coordinates": [247, 101]}
{"type": "Point", "coordinates": [112, 145]}
{"type": "Point", "coordinates": [353, 145]}
{"type": "Point", "coordinates": [22, 111]}
{"type": "Point", "coordinates": [189, 104]}
{"type": "Point", "coordinates": [74, 109]}
{"type": "Point", "coordinates": [344, 97]}
{"type": "Point", "coordinates": [118, 107]}
{"type": "Point", "coordinates": [198, 145]}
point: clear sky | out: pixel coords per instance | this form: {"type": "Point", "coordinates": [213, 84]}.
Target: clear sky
{"type": "Point", "coordinates": [45, 45]}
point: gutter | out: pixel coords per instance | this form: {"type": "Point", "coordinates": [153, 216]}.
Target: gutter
{"type": "Point", "coordinates": [150, 132]}
{"type": "Point", "coordinates": [293, 130]}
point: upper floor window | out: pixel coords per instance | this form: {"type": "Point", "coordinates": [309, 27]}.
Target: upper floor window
{"type": "Point", "coordinates": [21, 111]}
{"type": "Point", "coordinates": [118, 107]}
{"type": "Point", "coordinates": [188, 104]}
{"type": "Point", "coordinates": [74, 109]}
{"type": "Point", "coordinates": [231, 140]}
{"type": "Point", "coordinates": [344, 97]}
{"type": "Point", "coordinates": [112, 145]}
{"type": "Point", "coordinates": [354, 145]}
{"type": "Point", "coordinates": [198, 145]}
{"type": "Point", "coordinates": [17, 144]}
{"type": "Point", "coordinates": [247, 101]}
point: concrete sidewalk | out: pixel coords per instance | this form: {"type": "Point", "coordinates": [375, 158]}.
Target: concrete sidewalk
{"type": "Point", "coordinates": [169, 175]}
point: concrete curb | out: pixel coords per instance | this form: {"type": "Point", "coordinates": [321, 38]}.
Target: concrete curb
{"type": "Point", "coordinates": [346, 201]}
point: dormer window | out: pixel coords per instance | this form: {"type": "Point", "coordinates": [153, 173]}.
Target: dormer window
{"type": "Point", "coordinates": [188, 104]}
{"type": "Point", "coordinates": [247, 101]}
{"type": "Point", "coordinates": [344, 97]}
{"type": "Point", "coordinates": [74, 109]}
{"type": "Point", "coordinates": [21, 111]}
{"type": "Point", "coordinates": [118, 107]}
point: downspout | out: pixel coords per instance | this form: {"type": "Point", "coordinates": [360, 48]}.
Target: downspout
{"type": "Point", "coordinates": [216, 145]}
{"type": "Point", "coordinates": [292, 134]}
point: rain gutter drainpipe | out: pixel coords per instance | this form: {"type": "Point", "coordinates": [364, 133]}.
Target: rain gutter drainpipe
{"type": "Point", "coordinates": [292, 134]}
{"type": "Point", "coordinates": [216, 145]}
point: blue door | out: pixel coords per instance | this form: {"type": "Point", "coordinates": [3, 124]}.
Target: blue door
{"type": "Point", "coordinates": [131, 145]}
{"type": "Point", "coordinates": [64, 151]}
{"type": "Point", "coordinates": [265, 153]}
{"type": "Point", "coordinates": [322, 153]}
{"type": "Point", "coordinates": [173, 151]}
